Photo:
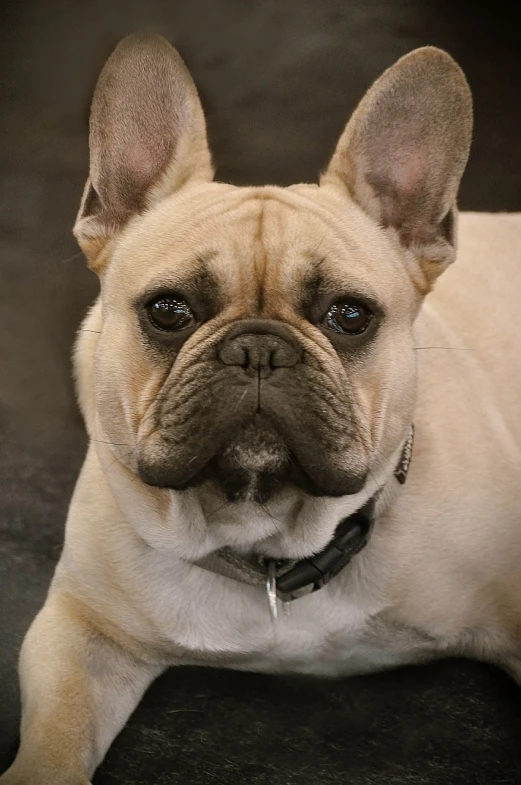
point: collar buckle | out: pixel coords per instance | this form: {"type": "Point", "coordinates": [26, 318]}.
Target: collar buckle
{"type": "Point", "coordinates": [309, 575]}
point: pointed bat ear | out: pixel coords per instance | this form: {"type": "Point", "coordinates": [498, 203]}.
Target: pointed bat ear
{"type": "Point", "coordinates": [147, 138]}
{"type": "Point", "coordinates": [403, 153]}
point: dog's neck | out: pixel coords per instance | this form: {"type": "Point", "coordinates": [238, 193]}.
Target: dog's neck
{"type": "Point", "coordinates": [290, 579]}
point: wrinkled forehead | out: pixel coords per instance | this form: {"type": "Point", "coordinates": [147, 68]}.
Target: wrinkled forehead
{"type": "Point", "coordinates": [253, 243]}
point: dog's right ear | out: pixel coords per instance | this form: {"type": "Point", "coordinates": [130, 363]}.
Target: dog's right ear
{"type": "Point", "coordinates": [147, 139]}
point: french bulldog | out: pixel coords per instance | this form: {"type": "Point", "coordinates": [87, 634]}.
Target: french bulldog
{"type": "Point", "coordinates": [249, 377]}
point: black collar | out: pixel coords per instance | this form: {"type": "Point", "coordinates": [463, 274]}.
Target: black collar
{"type": "Point", "coordinates": [351, 535]}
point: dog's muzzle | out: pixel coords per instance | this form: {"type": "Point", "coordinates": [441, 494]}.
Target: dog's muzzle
{"type": "Point", "coordinates": [257, 423]}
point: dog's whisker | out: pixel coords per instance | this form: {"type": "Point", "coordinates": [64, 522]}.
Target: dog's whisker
{"type": "Point", "coordinates": [448, 348]}
{"type": "Point", "coordinates": [372, 448]}
{"type": "Point", "coordinates": [218, 509]}
{"type": "Point", "coordinates": [69, 258]}
{"type": "Point", "coordinates": [113, 444]}
{"type": "Point", "coordinates": [106, 469]}
{"type": "Point", "coordinates": [270, 515]}
{"type": "Point", "coordinates": [241, 399]}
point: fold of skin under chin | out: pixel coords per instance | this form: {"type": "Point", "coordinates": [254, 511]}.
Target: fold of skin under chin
{"type": "Point", "coordinates": [291, 524]}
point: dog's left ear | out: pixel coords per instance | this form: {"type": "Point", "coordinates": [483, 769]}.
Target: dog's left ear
{"type": "Point", "coordinates": [404, 151]}
{"type": "Point", "coordinates": [147, 139]}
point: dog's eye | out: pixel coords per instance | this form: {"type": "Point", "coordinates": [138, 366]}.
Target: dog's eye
{"type": "Point", "coordinates": [170, 313]}
{"type": "Point", "coordinates": [348, 317]}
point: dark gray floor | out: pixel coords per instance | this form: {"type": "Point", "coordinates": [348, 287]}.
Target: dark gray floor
{"type": "Point", "coordinates": [278, 79]}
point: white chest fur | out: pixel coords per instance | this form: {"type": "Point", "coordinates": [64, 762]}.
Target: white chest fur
{"type": "Point", "coordinates": [191, 615]}
{"type": "Point", "coordinates": [322, 638]}
{"type": "Point", "coordinates": [209, 619]}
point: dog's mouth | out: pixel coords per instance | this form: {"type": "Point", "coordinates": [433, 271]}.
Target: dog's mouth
{"type": "Point", "coordinates": [255, 465]}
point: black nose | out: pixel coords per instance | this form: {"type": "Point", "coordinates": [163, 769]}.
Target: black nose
{"type": "Point", "coordinates": [259, 348]}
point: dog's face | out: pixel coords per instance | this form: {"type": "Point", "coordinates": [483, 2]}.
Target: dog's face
{"type": "Point", "coordinates": [260, 338]}
{"type": "Point", "coordinates": [256, 338]}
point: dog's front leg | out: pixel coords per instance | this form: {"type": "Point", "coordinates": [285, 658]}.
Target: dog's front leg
{"type": "Point", "coordinates": [78, 689]}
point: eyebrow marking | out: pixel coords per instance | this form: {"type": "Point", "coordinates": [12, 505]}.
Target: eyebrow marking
{"type": "Point", "coordinates": [202, 260]}
{"type": "Point", "coordinates": [312, 287]}
{"type": "Point", "coordinates": [319, 284]}
{"type": "Point", "coordinates": [197, 282]}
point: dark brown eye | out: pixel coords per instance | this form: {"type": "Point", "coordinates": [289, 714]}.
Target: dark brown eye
{"type": "Point", "coordinates": [170, 313]}
{"type": "Point", "coordinates": [348, 317]}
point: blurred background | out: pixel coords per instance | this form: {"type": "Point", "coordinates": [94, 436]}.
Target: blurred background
{"type": "Point", "coordinates": [278, 80]}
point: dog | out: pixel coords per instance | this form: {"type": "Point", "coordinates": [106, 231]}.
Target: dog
{"type": "Point", "coordinates": [250, 379]}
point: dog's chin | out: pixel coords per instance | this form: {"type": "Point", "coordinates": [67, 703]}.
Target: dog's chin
{"type": "Point", "coordinates": [255, 466]}
{"type": "Point", "coordinates": [243, 480]}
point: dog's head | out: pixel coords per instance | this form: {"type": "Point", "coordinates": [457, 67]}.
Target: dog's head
{"type": "Point", "coordinates": [260, 338]}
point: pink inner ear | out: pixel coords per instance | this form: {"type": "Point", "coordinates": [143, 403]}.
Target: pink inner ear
{"type": "Point", "coordinates": [398, 173]}
{"type": "Point", "coordinates": [145, 161]}
{"type": "Point", "coordinates": [407, 169]}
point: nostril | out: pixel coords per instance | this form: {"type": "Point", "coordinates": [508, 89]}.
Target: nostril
{"type": "Point", "coordinates": [284, 355]}
{"type": "Point", "coordinates": [242, 357]}
{"type": "Point", "coordinates": [233, 353]}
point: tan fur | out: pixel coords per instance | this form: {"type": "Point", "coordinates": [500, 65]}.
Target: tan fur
{"type": "Point", "coordinates": [440, 574]}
